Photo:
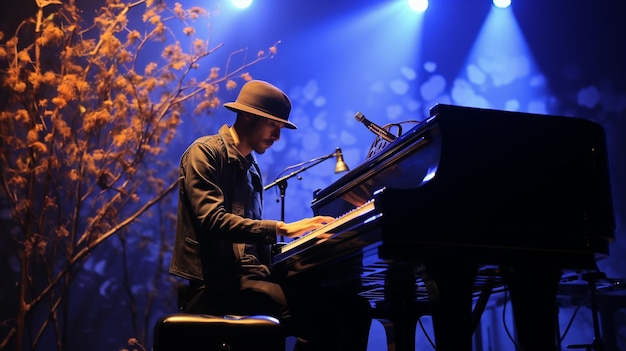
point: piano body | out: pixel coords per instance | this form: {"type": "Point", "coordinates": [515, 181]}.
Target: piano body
{"type": "Point", "coordinates": [467, 200]}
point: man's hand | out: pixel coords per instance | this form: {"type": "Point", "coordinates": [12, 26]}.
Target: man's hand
{"type": "Point", "coordinates": [298, 228]}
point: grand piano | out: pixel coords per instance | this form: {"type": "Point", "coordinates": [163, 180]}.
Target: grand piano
{"type": "Point", "coordinates": [467, 201]}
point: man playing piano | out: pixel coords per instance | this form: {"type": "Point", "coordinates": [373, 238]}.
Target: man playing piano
{"type": "Point", "coordinates": [222, 244]}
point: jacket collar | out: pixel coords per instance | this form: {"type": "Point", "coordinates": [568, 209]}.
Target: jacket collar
{"type": "Point", "coordinates": [231, 150]}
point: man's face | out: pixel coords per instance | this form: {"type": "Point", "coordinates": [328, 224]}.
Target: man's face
{"type": "Point", "coordinates": [263, 133]}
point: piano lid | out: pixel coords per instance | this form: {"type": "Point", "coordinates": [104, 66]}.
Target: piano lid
{"type": "Point", "coordinates": [390, 167]}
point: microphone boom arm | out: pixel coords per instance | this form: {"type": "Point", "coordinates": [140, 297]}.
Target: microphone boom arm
{"type": "Point", "coordinates": [307, 165]}
{"type": "Point", "coordinates": [282, 181]}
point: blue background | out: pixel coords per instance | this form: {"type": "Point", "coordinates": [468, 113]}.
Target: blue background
{"type": "Point", "coordinates": [377, 57]}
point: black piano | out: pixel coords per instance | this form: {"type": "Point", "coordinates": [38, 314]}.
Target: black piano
{"type": "Point", "coordinates": [465, 201]}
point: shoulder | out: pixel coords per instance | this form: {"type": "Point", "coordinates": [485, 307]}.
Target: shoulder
{"type": "Point", "coordinates": [208, 148]}
{"type": "Point", "coordinates": [214, 142]}
{"type": "Point", "coordinates": [209, 143]}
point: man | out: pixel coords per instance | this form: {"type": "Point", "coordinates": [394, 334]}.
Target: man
{"type": "Point", "coordinates": [222, 243]}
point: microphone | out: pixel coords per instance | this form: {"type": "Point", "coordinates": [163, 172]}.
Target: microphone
{"type": "Point", "coordinates": [375, 128]}
{"type": "Point", "coordinates": [341, 165]}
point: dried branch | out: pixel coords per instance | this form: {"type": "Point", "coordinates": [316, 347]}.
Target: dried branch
{"type": "Point", "coordinates": [90, 110]}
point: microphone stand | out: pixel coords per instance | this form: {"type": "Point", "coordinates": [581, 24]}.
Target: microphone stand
{"type": "Point", "coordinates": [282, 181]}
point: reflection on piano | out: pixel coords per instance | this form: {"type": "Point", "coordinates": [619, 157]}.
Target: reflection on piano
{"type": "Point", "coordinates": [468, 196]}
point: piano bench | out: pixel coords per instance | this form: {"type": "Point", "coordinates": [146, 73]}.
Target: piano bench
{"type": "Point", "coordinates": [187, 331]}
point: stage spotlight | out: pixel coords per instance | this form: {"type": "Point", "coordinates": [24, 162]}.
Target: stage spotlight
{"type": "Point", "coordinates": [502, 3]}
{"type": "Point", "coordinates": [418, 5]}
{"type": "Point", "coordinates": [241, 4]}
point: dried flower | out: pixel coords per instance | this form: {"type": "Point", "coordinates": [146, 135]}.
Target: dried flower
{"type": "Point", "coordinates": [19, 87]}
{"type": "Point", "coordinates": [178, 10]}
{"type": "Point", "coordinates": [133, 36]}
{"type": "Point", "coordinates": [23, 56]}
{"type": "Point", "coordinates": [156, 19]}
{"type": "Point", "coordinates": [231, 84]}
{"type": "Point", "coordinates": [51, 35]}
{"type": "Point", "coordinates": [189, 31]}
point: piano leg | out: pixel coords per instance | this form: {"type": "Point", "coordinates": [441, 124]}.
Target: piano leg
{"type": "Point", "coordinates": [400, 325]}
{"type": "Point", "coordinates": [401, 310]}
{"type": "Point", "coordinates": [533, 292]}
{"type": "Point", "coordinates": [450, 294]}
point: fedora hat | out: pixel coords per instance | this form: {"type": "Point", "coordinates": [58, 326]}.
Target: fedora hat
{"type": "Point", "coordinates": [265, 100]}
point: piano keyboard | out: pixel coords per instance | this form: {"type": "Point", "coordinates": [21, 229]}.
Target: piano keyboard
{"type": "Point", "coordinates": [327, 229]}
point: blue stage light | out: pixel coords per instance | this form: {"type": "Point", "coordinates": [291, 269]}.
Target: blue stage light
{"type": "Point", "coordinates": [418, 5]}
{"type": "Point", "coordinates": [242, 4]}
{"type": "Point", "coordinates": [502, 3]}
